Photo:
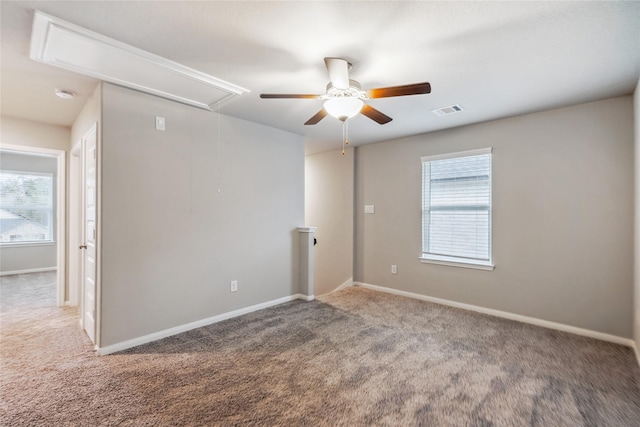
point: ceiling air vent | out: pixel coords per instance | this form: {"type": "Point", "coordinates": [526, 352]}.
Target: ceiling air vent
{"type": "Point", "coordinates": [445, 111]}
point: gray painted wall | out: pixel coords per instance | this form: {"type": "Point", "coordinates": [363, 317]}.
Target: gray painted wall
{"type": "Point", "coordinates": [33, 134]}
{"type": "Point", "coordinates": [562, 215]}
{"type": "Point", "coordinates": [329, 179]}
{"type": "Point", "coordinates": [36, 256]}
{"type": "Point", "coordinates": [185, 211]}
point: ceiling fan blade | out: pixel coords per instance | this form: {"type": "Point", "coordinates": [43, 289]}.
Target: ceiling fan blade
{"type": "Point", "coordinates": [317, 117]}
{"type": "Point", "coordinates": [338, 70]}
{"type": "Point", "coordinates": [287, 96]}
{"type": "Point", "coordinates": [386, 92]}
{"type": "Point", "coordinates": [375, 115]}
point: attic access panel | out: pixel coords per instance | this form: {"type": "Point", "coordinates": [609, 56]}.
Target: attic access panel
{"type": "Point", "coordinates": [71, 47]}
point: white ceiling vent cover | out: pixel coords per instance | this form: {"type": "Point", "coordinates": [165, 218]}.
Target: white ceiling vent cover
{"type": "Point", "coordinates": [69, 46]}
{"type": "Point", "coordinates": [445, 111]}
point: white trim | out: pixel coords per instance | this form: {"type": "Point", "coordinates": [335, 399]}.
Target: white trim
{"type": "Point", "coordinates": [31, 270]}
{"type": "Point", "coordinates": [444, 156]}
{"type": "Point", "coordinates": [22, 172]}
{"type": "Point", "coordinates": [75, 182]}
{"type": "Point", "coordinates": [345, 285]}
{"type": "Point", "coordinates": [102, 351]}
{"type": "Point", "coordinates": [506, 315]}
{"type": "Point", "coordinates": [30, 150]}
{"type": "Point", "coordinates": [7, 245]}
{"type": "Point", "coordinates": [61, 203]}
{"type": "Point", "coordinates": [51, 35]}
{"type": "Point", "coordinates": [487, 267]}
{"type": "Point", "coordinates": [634, 345]}
{"type": "Point", "coordinates": [304, 297]}
{"type": "Point", "coordinates": [307, 229]}
{"type": "Point", "coordinates": [61, 230]}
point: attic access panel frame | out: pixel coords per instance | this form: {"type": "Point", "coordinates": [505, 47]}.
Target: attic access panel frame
{"type": "Point", "coordinates": [65, 45]}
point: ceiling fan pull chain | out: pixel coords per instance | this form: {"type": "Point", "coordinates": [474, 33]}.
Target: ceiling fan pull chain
{"type": "Point", "coordinates": [344, 134]}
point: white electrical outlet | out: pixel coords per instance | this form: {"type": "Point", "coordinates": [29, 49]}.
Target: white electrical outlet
{"type": "Point", "coordinates": [369, 209]}
{"type": "Point", "coordinates": [234, 286]}
{"type": "Point", "coordinates": [394, 269]}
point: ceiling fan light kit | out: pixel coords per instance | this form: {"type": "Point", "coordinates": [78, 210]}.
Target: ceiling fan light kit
{"type": "Point", "coordinates": [344, 98]}
{"type": "Point", "coordinates": [343, 108]}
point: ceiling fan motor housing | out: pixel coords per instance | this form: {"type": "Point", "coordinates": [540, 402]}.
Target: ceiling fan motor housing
{"type": "Point", "coordinates": [354, 91]}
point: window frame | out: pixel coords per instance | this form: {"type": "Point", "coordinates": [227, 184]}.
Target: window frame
{"type": "Point", "coordinates": [452, 260]}
{"type": "Point", "coordinates": [53, 211]}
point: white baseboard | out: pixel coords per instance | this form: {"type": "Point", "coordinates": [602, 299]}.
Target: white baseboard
{"type": "Point", "coordinates": [497, 313]}
{"type": "Point", "coordinates": [304, 297]}
{"type": "Point", "coordinates": [346, 284]}
{"type": "Point", "coordinates": [506, 315]}
{"type": "Point", "coordinates": [31, 270]}
{"type": "Point", "coordinates": [102, 351]}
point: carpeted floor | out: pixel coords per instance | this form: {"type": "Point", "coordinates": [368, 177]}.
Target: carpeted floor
{"type": "Point", "coordinates": [352, 358]}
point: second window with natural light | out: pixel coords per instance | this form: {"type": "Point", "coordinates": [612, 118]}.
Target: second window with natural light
{"type": "Point", "coordinates": [456, 209]}
{"type": "Point", "coordinates": [26, 208]}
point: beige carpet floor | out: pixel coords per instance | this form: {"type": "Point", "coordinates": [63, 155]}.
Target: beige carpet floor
{"type": "Point", "coordinates": [352, 358]}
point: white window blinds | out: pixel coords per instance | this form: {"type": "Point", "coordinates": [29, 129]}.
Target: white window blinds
{"type": "Point", "coordinates": [26, 207]}
{"type": "Point", "coordinates": [456, 207]}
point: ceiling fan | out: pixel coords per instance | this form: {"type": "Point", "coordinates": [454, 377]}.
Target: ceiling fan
{"type": "Point", "coordinates": [344, 98]}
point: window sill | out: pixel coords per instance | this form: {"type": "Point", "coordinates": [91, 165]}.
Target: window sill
{"type": "Point", "coordinates": [478, 266]}
{"type": "Point", "coordinates": [23, 244]}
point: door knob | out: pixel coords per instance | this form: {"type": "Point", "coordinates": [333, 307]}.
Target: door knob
{"type": "Point", "coordinates": [83, 247]}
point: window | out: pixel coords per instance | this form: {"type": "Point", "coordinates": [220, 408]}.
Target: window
{"type": "Point", "coordinates": [456, 209]}
{"type": "Point", "coordinates": [26, 207]}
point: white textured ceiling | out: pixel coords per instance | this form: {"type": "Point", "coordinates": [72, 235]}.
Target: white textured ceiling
{"type": "Point", "coordinates": [495, 59]}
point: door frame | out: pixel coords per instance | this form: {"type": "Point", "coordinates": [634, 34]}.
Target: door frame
{"type": "Point", "coordinates": [75, 223]}
{"type": "Point", "coordinates": [61, 212]}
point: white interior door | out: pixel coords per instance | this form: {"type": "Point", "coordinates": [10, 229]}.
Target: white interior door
{"type": "Point", "coordinates": [89, 233]}
{"type": "Point", "coordinates": [75, 226]}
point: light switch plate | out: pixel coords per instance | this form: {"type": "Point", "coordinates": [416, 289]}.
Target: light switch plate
{"type": "Point", "coordinates": [160, 122]}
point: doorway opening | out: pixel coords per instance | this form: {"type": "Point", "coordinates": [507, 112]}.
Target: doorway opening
{"type": "Point", "coordinates": [32, 229]}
